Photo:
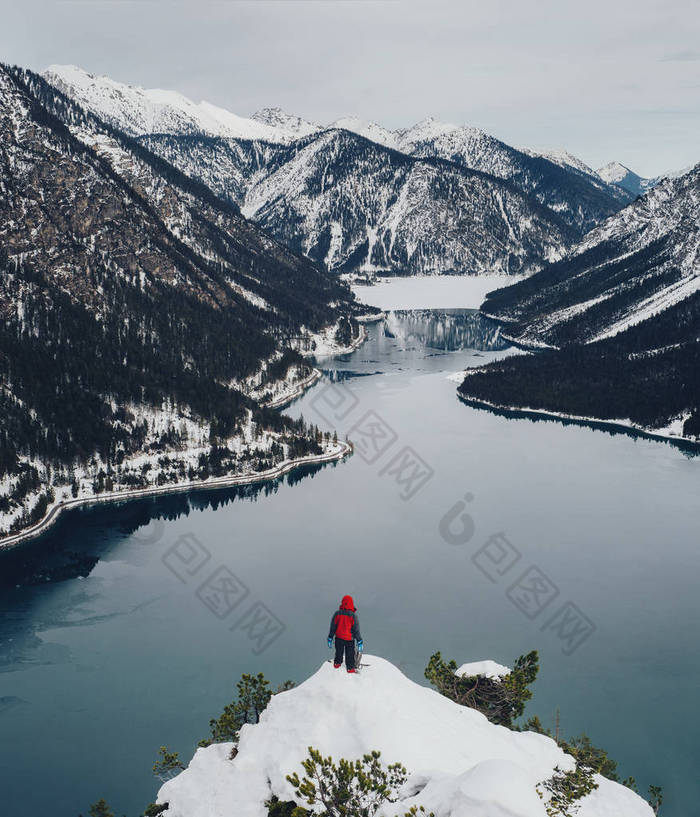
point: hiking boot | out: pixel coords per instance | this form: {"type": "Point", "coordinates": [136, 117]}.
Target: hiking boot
{"type": "Point", "coordinates": [336, 665]}
{"type": "Point", "coordinates": [352, 670]}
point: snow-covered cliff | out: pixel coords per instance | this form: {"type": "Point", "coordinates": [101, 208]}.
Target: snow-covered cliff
{"type": "Point", "coordinates": [460, 764]}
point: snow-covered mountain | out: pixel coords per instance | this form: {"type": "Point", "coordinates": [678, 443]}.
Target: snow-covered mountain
{"type": "Point", "coordinates": [314, 188]}
{"type": "Point", "coordinates": [141, 313]}
{"type": "Point", "coordinates": [617, 323]}
{"type": "Point", "coordinates": [459, 764]}
{"type": "Point", "coordinates": [619, 174]}
{"type": "Point", "coordinates": [354, 205]}
{"type": "Point", "coordinates": [559, 181]}
{"type": "Point", "coordinates": [370, 130]}
{"type": "Point", "coordinates": [638, 263]}
{"type": "Point", "coordinates": [139, 111]}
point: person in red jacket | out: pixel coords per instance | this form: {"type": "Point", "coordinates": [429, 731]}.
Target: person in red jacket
{"type": "Point", "coordinates": [346, 629]}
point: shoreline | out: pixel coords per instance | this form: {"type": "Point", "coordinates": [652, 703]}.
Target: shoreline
{"type": "Point", "coordinates": [10, 542]}
{"type": "Point", "coordinates": [300, 387]}
{"type": "Point", "coordinates": [620, 426]}
{"type": "Point", "coordinates": [352, 346]}
{"type": "Point", "coordinates": [345, 448]}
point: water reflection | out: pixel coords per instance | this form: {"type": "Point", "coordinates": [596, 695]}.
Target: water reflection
{"type": "Point", "coordinates": [449, 330]}
{"type": "Point", "coordinates": [81, 537]}
{"type": "Point", "coordinates": [689, 448]}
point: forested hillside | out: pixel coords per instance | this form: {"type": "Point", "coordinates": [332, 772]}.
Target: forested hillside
{"type": "Point", "coordinates": [621, 318]}
{"type": "Point", "coordinates": [639, 262]}
{"type": "Point", "coordinates": [649, 375]}
{"type": "Point", "coordinates": [138, 308]}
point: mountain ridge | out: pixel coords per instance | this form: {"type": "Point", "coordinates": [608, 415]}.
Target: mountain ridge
{"type": "Point", "coordinates": [243, 165]}
{"type": "Point", "coordinates": [140, 313]}
{"type": "Point", "coordinates": [457, 762]}
{"type": "Point", "coordinates": [617, 323]}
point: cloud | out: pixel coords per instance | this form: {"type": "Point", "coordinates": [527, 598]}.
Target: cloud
{"type": "Point", "coordinates": [681, 56]}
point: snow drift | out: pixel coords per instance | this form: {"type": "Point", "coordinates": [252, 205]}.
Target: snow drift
{"type": "Point", "coordinates": [459, 763]}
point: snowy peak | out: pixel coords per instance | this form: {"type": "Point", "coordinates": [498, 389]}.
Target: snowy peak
{"type": "Point", "coordinates": [403, 139]}
{"type": "Point", "coordinates": [294, 127]}
{"type": "Point", "coordinates": [141, 111]}
{"type": "Point", "coordinates": [427, 130]}
{"type": "Point", "coordinates": [614, 172]}
{"type": "Point", "coordinates": [564, 159]}
{"type": "Point", "coordinates": [369, 130]}
{"type": "Point", "coordinates": [459, 764]}
{"type": "Point", "coordinates": [619, 174]}
{"type": "Point", "coordinates": [132, 109]}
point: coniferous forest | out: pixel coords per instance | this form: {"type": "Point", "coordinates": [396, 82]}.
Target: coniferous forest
{"type": "Point", "coordinates": [649, 374]}
{"type": "Point", "coordinates": [137, 308]}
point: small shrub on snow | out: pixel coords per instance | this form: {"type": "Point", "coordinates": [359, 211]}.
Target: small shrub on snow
{"type": "Point", "coordinates": [254, 695]}
{"type": "Point", "coordinates": [502, 700]}
{"type": "Point", "coordinates": [167, 763]}
{"type": "Point", "coordinates": [352, 788]}
{"type": "Point", "coordinates": [564, 789]}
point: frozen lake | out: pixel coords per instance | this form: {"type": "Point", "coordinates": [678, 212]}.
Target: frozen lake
{"type": "Point", "coordinates": [432, 291]}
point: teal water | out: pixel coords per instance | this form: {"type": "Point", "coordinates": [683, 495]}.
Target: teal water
{"type": "Point", "coordinates": [96, 673]}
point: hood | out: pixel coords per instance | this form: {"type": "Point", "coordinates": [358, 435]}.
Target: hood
{"type": "Point", "coordinates": [347, 603]}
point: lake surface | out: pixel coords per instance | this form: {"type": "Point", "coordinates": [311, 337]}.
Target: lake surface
{"type": "Point", "coordinates": [596, 567]}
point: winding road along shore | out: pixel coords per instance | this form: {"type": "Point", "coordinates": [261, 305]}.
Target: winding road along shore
{"type": "Point", "coordinates": [342, 451]}
{"type": "Point", "coordinates": [286, 398]}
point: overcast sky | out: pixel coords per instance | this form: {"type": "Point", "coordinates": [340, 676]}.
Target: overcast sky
{"type": "Point", "coordinates": [605, 79]}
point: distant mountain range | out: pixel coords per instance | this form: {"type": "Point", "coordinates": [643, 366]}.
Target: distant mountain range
{"type": "Point", "coordinates": [620, 317]}
{"type": "Point", "coordinates": [356, 197]}
{"type": "Point", "coordinates": [163, 265]}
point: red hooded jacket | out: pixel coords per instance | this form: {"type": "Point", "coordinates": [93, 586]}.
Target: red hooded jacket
{"type": "Point", "coordinates": [344, 624]}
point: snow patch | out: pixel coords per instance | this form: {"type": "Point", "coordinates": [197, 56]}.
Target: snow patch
{"type": "Point", "coordinates": [487, 668]}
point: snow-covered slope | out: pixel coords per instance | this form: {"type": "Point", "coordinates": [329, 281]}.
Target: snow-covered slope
{"type": "Point", "coordinates": [564, 159]}
{"type": "Point", "coordinates": [639, 263]}
{"type": "Point", "coordinates": [288, 124]}
{"type": "Point", "coordinates": [619, 174]}
{"type": "Point", "coordinates": [354, 205]}
{"type": "Point", "coordinates": [370, 130]}
{"type": "Point", "coordinates": [139, 111]}
{"type": "Point", "coordinates": [460, 764]}
{"type": "Point", "coordinates": [578, 197]}
{"type": "Point", "coordinates": [557, 180]}
{"type": "Point", "coordinates": [313, 187]}
{"type": "Point", "coordinates": [620, 319]}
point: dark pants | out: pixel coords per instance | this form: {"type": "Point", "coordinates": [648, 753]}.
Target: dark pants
{"type": "Point", "coordinates": [348, 648]}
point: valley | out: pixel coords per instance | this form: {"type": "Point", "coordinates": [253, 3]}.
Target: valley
{"type": "Point", "coordinates": [252, 363]}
